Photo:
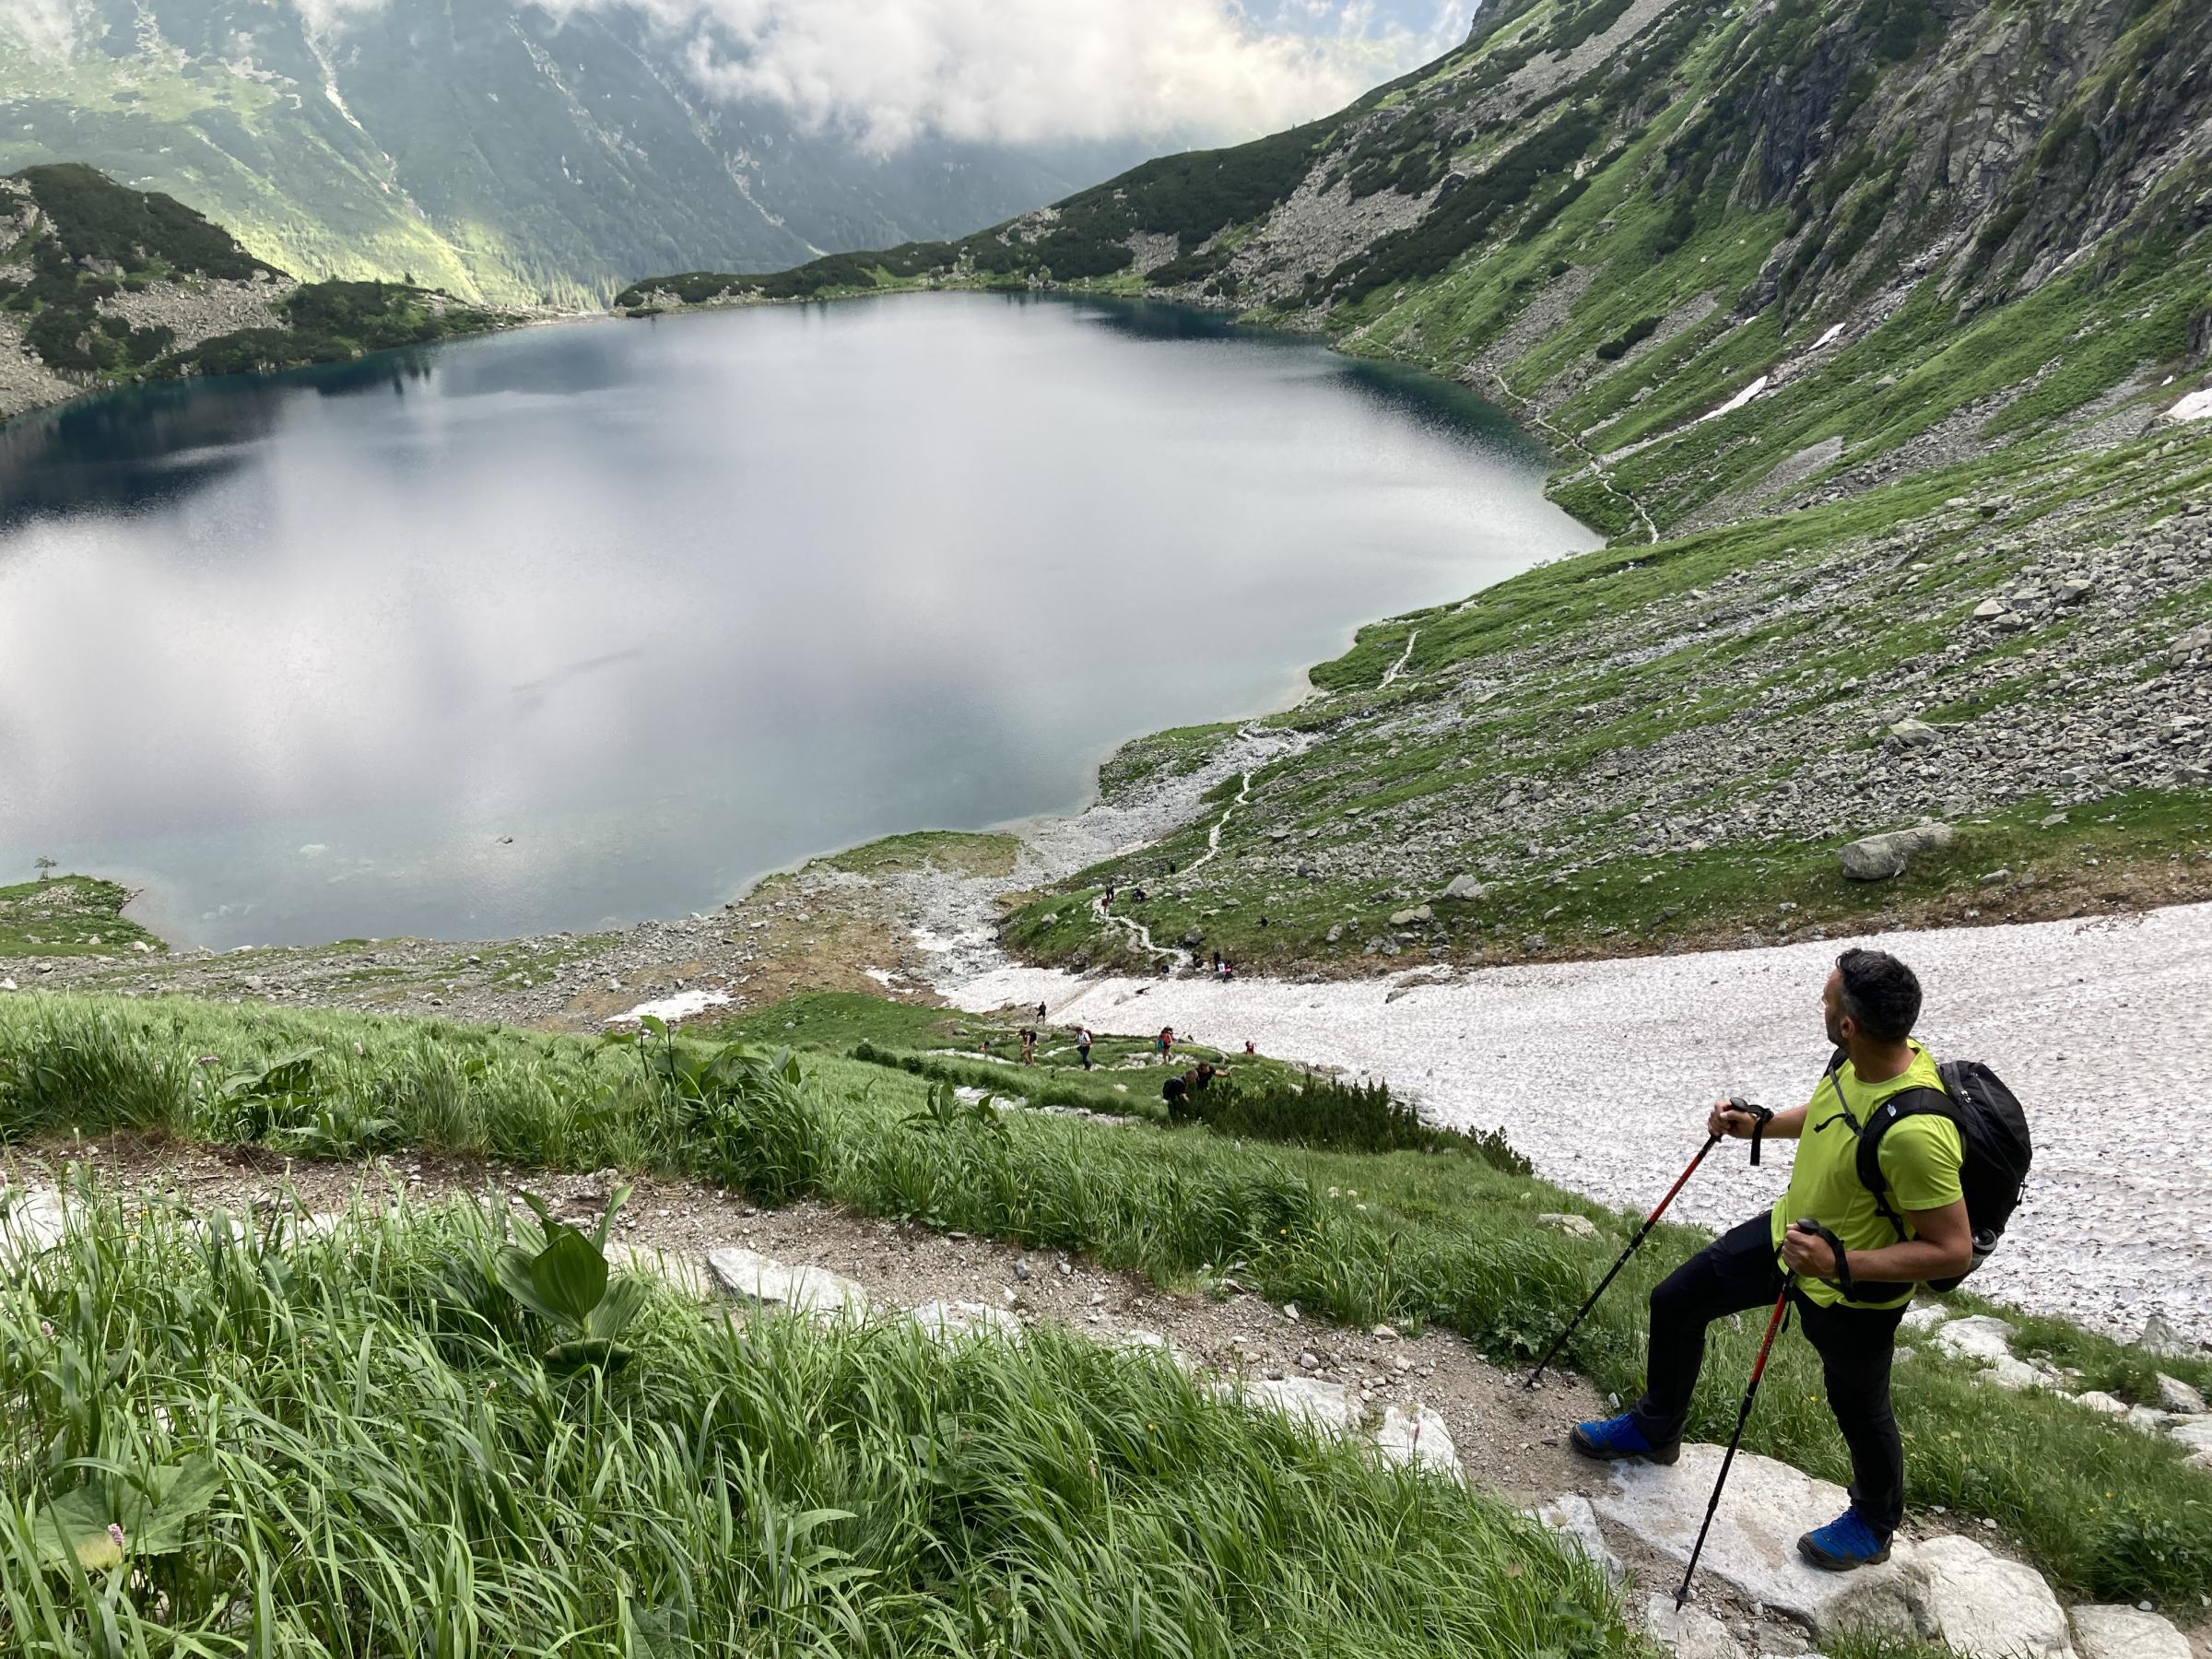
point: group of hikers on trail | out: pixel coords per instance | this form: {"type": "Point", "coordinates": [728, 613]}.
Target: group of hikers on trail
{"type": "Point", "coordinates": [1904, 1175]}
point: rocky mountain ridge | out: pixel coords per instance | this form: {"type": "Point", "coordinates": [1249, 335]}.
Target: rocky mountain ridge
{"type": "Point", "coordinates": [100, 285]}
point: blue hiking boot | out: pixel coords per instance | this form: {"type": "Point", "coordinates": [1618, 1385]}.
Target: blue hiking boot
{"type": "Point", "coordinates": [1844, 1543]}
{"type": "Point", "coordinates": [1615, 1437]}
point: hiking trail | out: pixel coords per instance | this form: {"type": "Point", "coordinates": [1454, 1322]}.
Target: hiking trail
{"type": "Point", "coordinates": [1398, 667]}
{"type": "Point", "coordinates": [1598, 465]}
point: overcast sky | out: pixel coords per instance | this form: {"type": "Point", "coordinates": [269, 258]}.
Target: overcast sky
{"type": "Point", "coordinates": [1025, 71]}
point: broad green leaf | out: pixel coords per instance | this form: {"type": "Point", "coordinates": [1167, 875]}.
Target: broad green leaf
{"type": "Point", "coordinates": [624, 1299]}
{"type": "Point", "coordinates": [565, 1357]}
{"type": "Point", "coordinates": [185, 1492]}
{"type": "Point", "coordinates": [512, 1267]}
{"type": "Point", "coordinates": [570, 1277]}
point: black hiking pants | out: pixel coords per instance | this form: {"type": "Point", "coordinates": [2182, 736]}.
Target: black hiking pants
{"type": "Point", "coordinates": [1737, 1272]}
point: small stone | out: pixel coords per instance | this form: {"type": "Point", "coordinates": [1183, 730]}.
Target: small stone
{"type": "Point", "coordinates": [1989, 610]}
{"type": "Point", "coordinates": [1021, 1270]}
{"type": "Point", "coordinates": [1914, 734]}
{"type": "Point", "coordinates": [1464, 888]}
{"type": "Point", "coordinates": [1383, 1333]}
{"type": "Point", "coordinates": [1411, 917]}
{"type": "Point", "coordinates": [1309, 1361]}
{"type": "Point", "coordinates": [1420, 1439]}
{"type": "Point", "coordinates": [1291, 1312]}
{"type": "Point", "coordinates": [1688, 1632]}
{"type": "Point", "coordinates": [1575, 1226]}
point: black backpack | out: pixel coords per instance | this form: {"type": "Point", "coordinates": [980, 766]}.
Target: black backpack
{"type": "Point", "coordinates": [1992, 1132]}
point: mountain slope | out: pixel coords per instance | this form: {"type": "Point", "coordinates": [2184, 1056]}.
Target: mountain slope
{"type": "Point", "coordinates": [100, 285]}
{"type": "Point", "coordinates": [1870, 329]}
{"type": "Point", "coordinates": [484, 148]}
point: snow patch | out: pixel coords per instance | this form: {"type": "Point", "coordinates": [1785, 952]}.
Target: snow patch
{"type": "Point", "coordinates": [2195, 406]}
{"type": "Point", "coordinates": [1738, 401]}
{"type": "Point", "coordinates": [682, 1006]}
{"type": "Point", "coordinates": [1827, 339]}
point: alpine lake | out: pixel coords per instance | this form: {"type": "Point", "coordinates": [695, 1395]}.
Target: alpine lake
{"type": "Point", "coordinates": [583, 624]}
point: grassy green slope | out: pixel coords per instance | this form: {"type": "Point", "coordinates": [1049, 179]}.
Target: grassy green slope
{"type": "Point", "coordinates": [1417, 1238]}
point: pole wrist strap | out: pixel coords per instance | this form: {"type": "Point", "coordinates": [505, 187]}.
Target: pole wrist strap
{"type": "Point", "coordinates": [1762, 1116]}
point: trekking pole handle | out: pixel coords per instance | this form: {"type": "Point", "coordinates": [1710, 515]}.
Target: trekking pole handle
{"type": "Point", "coordinates": [1760, 1117]}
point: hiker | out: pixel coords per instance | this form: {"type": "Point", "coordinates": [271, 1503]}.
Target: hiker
{"type": "Point", "coordinates": [1174, 1091]}
{"type": "Point", "coordinates": [1851, 1279]}
{"type": "Point", "coordinates": [1205, 1074]}
{"type": "Point", "coordinates": [1166, 1039]}
{"type": "Point", "coordinates": [1083, 1046]}
{"type": "Point", "coordinates": [1248, 1048]}
{"type": "Point", "coordinates": [1040, 1013]}
{"type": "Point", "coordinates": [1028, 1046]}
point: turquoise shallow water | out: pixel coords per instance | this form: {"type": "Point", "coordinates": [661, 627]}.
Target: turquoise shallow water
{"type": "Point", "coordinates": [584, 624]}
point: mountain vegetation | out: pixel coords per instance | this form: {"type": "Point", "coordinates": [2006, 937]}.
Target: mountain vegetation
{"type": "Point", "coordinates": [1865, 329]}
{"type": "Point", "coordinates": [106, 285]}
{"type": "Point", "coordinates": [505, 152]}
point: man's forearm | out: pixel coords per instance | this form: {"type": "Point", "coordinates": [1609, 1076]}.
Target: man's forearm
{"type": "Point", "coordinates": [1786, 1126]}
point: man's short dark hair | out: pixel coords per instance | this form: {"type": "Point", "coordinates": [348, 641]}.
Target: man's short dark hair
{"type": "Point", "coordinates": [1881, 993]}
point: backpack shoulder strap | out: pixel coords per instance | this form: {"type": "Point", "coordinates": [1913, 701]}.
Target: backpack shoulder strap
{"type": "Point", "coordinates": [1917, 1101]}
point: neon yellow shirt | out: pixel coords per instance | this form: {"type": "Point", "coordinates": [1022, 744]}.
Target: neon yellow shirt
{"type": "Point", "coordinates": [1920, 1160]}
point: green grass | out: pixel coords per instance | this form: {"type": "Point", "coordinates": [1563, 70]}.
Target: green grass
{"type": "Point", "coordinates": [69, 916]}
{"type": "Point", "coordinates": [966, 852]}
{"type": "Point", "coordinates": [1413, 1238]}
{"type": "Point", "coordinates": [386, 1464]}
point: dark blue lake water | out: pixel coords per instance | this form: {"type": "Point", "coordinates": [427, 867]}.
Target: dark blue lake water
{"type": "Point", "coordinates": [585, 624]}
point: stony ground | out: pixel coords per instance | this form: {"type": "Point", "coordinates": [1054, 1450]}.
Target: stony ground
{"type": "Point", "coordinates": [1753, 1599]}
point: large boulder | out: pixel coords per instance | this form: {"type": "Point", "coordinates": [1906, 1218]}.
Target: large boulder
{"type": "Point", "coordinates": [1989, 1608]}
{"type": "Point", "coordinates": [751, 1276]}
{"type": "Point", "coordinates": [1753, 1545]}
{"type": "Point", "coordinates": [1880, 857]}
{"type": "Point", "coordinates": [32, 1221]}
{"type": "Point", "coordinates": [2108, 1632]}
{"type": "Point", "coordinates": [1464, 888]}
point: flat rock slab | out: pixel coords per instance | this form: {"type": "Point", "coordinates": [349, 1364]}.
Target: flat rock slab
{"type": "Point", "coordinates": [2106, 1632]}
{"type": "Point", "coordinates": [950, 1322]}
{"type": "Point", "coordinates": [1753, 1546]}
{"type": "Point", "coordinates": [1328, 1409]}
{"type": "Point", "coordinates": [1988, 1606]}
{"type": "Point", "coordinates": [1420, 1439]}
{"type": "Point", "coordinates": [751, 1276]}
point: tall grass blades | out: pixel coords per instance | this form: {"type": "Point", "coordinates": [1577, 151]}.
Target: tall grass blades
{"type": "Point", "coordinates": [312, 1444]}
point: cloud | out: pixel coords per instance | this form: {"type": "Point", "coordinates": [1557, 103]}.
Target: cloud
{"type": "Point", "coordinates": [325, 16]}
{"type": "Point", "coordinates": [887, 72]}
{"type": "Point", "coordinates": [47, 27]}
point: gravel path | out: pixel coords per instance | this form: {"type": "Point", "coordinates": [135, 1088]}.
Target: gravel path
{"type": "Point", "coordinates": [1599, 1071]}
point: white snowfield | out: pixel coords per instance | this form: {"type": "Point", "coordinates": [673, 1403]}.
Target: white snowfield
{"type": "Point", "coordinates": [1602, 1072]}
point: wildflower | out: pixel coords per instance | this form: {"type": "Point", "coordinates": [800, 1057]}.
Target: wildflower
{"type": "Point", "coordinates": [115, 1533]}
{"type": "Point", "coordinates": [360, 1050]}
{"type": "Point", "coordinates": [46, 1328]}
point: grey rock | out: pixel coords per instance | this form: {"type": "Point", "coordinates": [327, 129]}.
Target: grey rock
{"type": "Point", "coordinates": [1989, 1608]}
{"type": "Point", "coordinates": [751, 1276]}
{"type": "Point", "coordinates": [953, 1322]}
{"type": "Point", "coordinates": [1328, 1409]}
{"type": "Point", "coordinates": [2111, 1632]}
{"type": "Point", "coordinates": [1688, 1632]}
{"type": "Point", "coordinates": [1421, 1440]}
{"type": "Point", "coordinates": [2177, 1395]}
{"type": "Point", "coordinates": [1914, 734]}
{"type": "Point", "coordinates": [1576, 1523]}
{"type": "Point", "coordinates": [1463, 886]}
{"type": "Point", "coordinates": [2096, 1399]}
{"type": "Point", "coordinates": [2161, 1338]}
{"type": "Point", "coordinates": [1753, 1543]}
{"type": "Point", "coordinates": [1989, 610]}
{"type": "Point", "coordinates": [1880, 857]}
{"type": "Point", "coordinates": [1977, 1337]}
{"type": "Point", "coordinates": [1412, 916]}
{"type": "Point", "coordinates": [1575, 1226]}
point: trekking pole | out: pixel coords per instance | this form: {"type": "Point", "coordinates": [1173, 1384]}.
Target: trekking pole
{"type": "Point", "coordinates": [1759, 1116]}
{"type": "Point", "coordinates": [1759, 1369]}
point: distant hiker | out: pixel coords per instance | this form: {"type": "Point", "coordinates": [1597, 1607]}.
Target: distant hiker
{"type": "Point", "coordinates": [1849, 1279]}
{"type": "Point", "coordinates": [1216, 961]}
{"type": "Point", "coordinates": [1083, 1047]}
{"type": "Point", "coordinates": [1175, 1093]}
{"type": "Point", "coordinates": [1166, 1041]}
{"type": "Point", "coordinates": [1248, 1048]}
{"type": "Point", "coordinates": [1040, 1013]}
{"type": "Point", "coordinates": [1136, 895]}
{"type": "Point", "coordinates": [1204, 1077]}
{"type": "Point", "coordinates": [1028, 1046]}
